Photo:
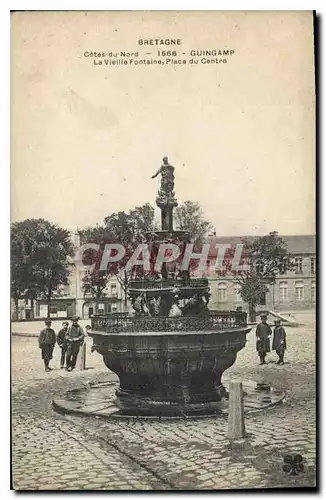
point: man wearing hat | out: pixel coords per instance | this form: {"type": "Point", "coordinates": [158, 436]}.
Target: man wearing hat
{"type": "Point", "coordinates": [263, 333]}
{"type": "Point", "coordinates": [75, 337]}
{"type": "Point", "coordinates": [279, 341]}
{"type": "Point", "coordinates": [62, 342]}
{"type": "Point", "coordinates": [46, 342]}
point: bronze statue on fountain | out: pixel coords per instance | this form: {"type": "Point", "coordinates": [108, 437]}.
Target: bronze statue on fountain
{"type": "Point", "coordinates": [171, 352]}
{"type": "Point", "coordinates": [166, 197]}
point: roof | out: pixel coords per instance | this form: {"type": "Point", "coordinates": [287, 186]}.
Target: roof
{"type": "Point", "coordinates": [296, 244]}
{"type": "Point", "coordinates": [305, 243]}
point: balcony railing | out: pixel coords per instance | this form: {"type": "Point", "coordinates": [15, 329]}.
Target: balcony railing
{"type": "Point", "coordinates": [214, 321]}
{"type": "Point", "coordinates": [167, 284]}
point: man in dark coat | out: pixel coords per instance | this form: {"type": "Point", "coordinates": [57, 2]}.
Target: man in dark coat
{"type": "Point", "coordinates": [62, 342]}
{"type": "Point", "coordinates": [263, 333]}
{"type": "Point", "coordinates": [279, 341]}
{"type": "Point", "coordinates": [75, 338]}
{"type": "Point", "coordinates": [46, 342]}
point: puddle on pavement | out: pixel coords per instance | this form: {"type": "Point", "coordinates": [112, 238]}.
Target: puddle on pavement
{"type": "Point", "coordinates": [98, 400]}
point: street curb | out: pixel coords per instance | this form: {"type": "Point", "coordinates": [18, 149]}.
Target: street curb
{"type": "Point", "coordinates": [18, 334]}
{"type": "Point", "coordinates": [30, 335]}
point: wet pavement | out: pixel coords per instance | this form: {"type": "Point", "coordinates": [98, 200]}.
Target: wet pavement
{"type": "Point", "coordinates": [99, 400]}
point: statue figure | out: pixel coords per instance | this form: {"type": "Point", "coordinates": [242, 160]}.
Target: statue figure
{"type": "Point", "coordinates": [167, 179]}
{"type": "Point", "coordinates": [206, 296]}
{"type": "Point", "coordinates": [154, 306]}
{"type": "Point", "coordinates": [175, 310]}
{"type": "Point", "coordinates": [197, 305]}
{"type": "Point", "coordinates": [138, 305]}
{"type": "Point", "coordinates": [165, 304]}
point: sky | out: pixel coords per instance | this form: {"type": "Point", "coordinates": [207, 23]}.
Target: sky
{"type": "Point", "coordinates": [85, 138]}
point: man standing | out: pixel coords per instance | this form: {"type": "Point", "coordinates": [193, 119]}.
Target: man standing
{"type": "Point", "coordinates": [62, 342]}
{"type": "Point", "coordinates": [75, 338]}
{"type": "Point", "coordinates": [263, 333]}
{"type": "Point", "coordinates": [46, 342]}
{"type": "Point", "coordinates": [279, 341]}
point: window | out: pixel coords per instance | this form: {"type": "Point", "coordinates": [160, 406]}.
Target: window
{"type": "Point", "coordinates": [313, 291]}
{"type": "Point", "coordinates": [260, 268]}
{"type": "Point", "coordinates": [284, 292]}
{"type": "Point", "coordinates": [113, 289]}
{"type": "Point", "coordinates": [299, 290]}
{"type": "Point", "coordinates": [236, 291]}
{"type": "Point", "coordinates": [221, 292]}
{"type": "Point", "coordinates": [313, 265]}
{"type": "Point", "coordinates": [298, 265]}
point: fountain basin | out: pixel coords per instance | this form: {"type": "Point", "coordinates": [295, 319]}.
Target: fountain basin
{"type": "Point", "coordinates": [168, 372]}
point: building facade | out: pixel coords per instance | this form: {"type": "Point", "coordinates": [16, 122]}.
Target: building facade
{"type": "Point", "coordinates": [71, 300]}
{"type": "Point", "coordinates": [294, 290]}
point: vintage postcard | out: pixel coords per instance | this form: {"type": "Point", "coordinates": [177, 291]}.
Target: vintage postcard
{"type": "Point", "coordinates": [163, 250]}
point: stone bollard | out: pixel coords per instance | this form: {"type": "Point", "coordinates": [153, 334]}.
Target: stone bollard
{"type": "Point", "coordinates": [236, 423]}
{"type": "Point", "coordinates": [82, 357]}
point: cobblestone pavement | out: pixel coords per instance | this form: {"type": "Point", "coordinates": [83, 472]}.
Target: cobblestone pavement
{"type": "Point", "coordinates": [52, 451]}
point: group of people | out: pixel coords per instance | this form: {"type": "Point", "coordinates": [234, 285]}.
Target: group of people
{"type": "Point", "coordinates": [69, 339]}
{"type": "Point", "coordinates": [263, 334]}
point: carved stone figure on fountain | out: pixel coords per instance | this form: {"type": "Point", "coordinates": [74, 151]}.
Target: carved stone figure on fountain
{"type": "Point", "coordinates": [166, 170]}
{"type": "Point", "coordinates": [206, 296]}
{"type": "Point", "coordinates": [175, 310]}
{"type": "Point", "coordinates": [145, 307]}
{"type": "Point", "coordinates": [166, 304]}
{"type": "Point", "coordinates": [196, 306]}
{"type": "Point", "coordinates": [153, 305]}
{"type": "Point", "coordinates": [190, 307]}
{"type": "Point", "coordinates": [203, 299]}
{"type": "Point", "coordinates": [131, 311]}
{"type": "Point", "coordinates": [138, 305]}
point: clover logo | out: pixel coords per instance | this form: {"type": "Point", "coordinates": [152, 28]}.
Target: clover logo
{"type": "Point", "coordinates": [293, 464]}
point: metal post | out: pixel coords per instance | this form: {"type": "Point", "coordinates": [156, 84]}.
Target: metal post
{"type": "Point", "coordinates": [82, 357]}
{"type": "Point", "coordinates": [236, 422]}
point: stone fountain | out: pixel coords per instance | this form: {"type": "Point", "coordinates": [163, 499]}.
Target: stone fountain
{"type": "Point", "coordinates": [170, 354]}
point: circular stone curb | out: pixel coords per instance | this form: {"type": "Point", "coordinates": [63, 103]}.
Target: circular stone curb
{"type": "Point", "coordinates": [97, 400]}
